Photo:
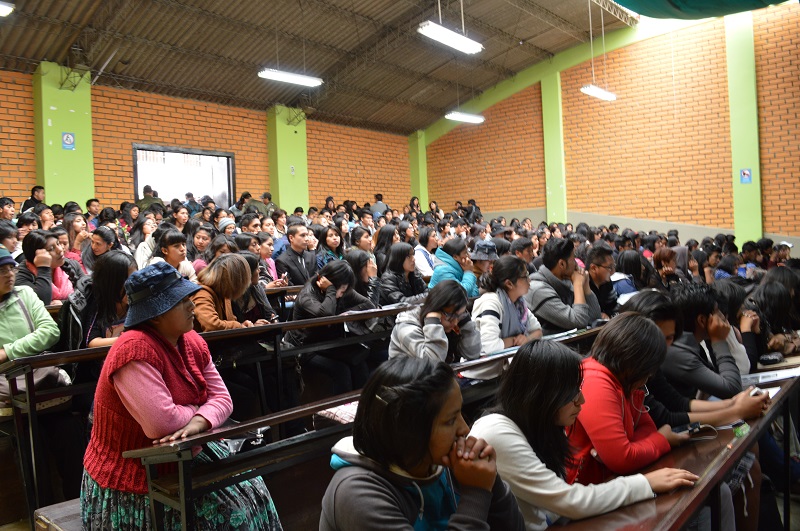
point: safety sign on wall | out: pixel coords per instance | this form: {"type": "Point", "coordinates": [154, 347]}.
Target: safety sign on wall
{"type": "Point", "coordinates": [68, 141]}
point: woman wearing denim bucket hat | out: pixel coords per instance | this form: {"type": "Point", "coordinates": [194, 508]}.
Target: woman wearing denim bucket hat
{"type": "Point", "coordinates": [159, 384]}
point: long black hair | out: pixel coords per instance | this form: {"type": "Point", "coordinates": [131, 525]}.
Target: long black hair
{"type": "Point", "coordinates": [385, 239]}
{"type": "Point", "coordinates": [507, 267]}
{"type": "Point", "coordinates": [445, 294]}
{"type": "Point", "coordinates": [358, 260]}
{"type": "Point", "coordinates": [544, 377]}
{"type": "Point", "coordinates": [322, 238]}
{"type": "Point", "coordinates": [397, 256]}
{"type": "Point", "coordinates": [338, 272]}
{"type": "Point", "coordinates": [87, 254]}
{"type": "Point", "coordinates": [631, 347]}
{"type": "Point", "coordinates": [108, 284]}
{"type": "Point", "coordinates": [219, 241]}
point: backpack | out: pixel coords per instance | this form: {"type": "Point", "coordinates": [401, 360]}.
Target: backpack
{"type": "Point", "coordinates": [71, 317]}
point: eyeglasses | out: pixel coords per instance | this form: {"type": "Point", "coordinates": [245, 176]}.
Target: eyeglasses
{"type": "Point", "coordinates": [8, 269]}
{"type": "Point", "coordinates": [611, 267]}
{"type": "Point", "coordinates": [453, 316]}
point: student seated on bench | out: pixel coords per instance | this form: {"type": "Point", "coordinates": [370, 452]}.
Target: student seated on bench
{"type": "Point", "coordinates": [501, 313]}
{"type": "Point", "coordinates": [560, 295]}
{"type": "Point", "coordinates": [614, 433]}
{"type": "Point", "coordinates": [441, 329]}
{"type": "Point", "coordinates": [420, 470]}
{"type": "Point", "coordinates": [159, 384]}
{"type": "Point", "coordinates": [539, 397]}
{"type": "Point", "coordinates": [327, 293]}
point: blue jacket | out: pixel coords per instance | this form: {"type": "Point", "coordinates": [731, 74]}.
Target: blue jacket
{"type": "Point", "coordinates": [446, 268]}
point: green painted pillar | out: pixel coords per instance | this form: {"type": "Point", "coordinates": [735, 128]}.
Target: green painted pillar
{"type": "Point", "coordinates": [288, 157]}
{"type": "Point", "coordinates": [418, 163]}
{"type": "Point", "coordinates": [740, 51]}
{"type": "Point", "coordinates": [62, 114]}
{"type": "Point", "coordinates": [554, 166]}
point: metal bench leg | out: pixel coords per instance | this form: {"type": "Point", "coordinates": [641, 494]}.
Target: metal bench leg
{"type": "Point", "coordinates": [787, 419]}
{"type": "Point", "coordinates": [187, 507]}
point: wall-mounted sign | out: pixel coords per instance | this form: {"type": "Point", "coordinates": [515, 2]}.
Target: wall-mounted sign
{"type": "Point", "coordinates": [68, 141]}
{"type": "Point", "coordinates": [746, 176]}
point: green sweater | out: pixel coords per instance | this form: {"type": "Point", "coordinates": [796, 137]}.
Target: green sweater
{"type": "Point", "coordinates": [25, 335]}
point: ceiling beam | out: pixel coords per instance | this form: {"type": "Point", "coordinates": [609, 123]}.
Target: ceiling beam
{"type": "Point", "coordinates": [62, 55]}
{"type": "Point", "coordinates": [191, 92]}
{"type": "Point", "coordinates": [532, 8]}
{"type": "Point", "coordinates": [353, 121]}
{"type": "Point", "coordinates": [247, 67]}
{"type": "Point", "coordinates": [615, 9]}
{"type": "Point", "coordinates": [392, 36]}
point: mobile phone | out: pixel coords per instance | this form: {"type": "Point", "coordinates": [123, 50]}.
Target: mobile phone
{"type": "Point", "coordinates": [692, 428]}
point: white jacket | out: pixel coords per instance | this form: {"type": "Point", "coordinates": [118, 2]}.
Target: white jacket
{"type": "Point", "coordinates": [542, 496]}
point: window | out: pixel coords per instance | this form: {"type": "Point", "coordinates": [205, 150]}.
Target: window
{"type": "Point", "coordinates": [172, 172]}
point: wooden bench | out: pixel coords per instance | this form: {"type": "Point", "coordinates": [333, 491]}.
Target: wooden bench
{"type": "Point", "coordinates": [276, 461]}
{"type": "Point", "coordinates": [65, 516]}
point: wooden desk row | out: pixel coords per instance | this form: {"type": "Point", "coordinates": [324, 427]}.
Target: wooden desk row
{"type": "Point", "coordinates": [178, 490]}
{"type": "Point", "coordinates": [280, 293]}
{"type": "Point", "coordinates": [711, 460]}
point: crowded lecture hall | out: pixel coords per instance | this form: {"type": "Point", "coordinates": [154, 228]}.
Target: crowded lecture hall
{"type": "Point", "coordinates": [383, 265]}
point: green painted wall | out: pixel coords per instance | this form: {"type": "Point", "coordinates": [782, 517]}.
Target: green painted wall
{"type": "Point", "coordinates": [418, 163]}
{"type": "Point", "coordinates": [66, 174]}
{"type": "Point", "coordinates": [554, 165]}
{"type": "Point", "coordinates": [288, 157]}
{"type": "Point", "coordinates": [743, 112]}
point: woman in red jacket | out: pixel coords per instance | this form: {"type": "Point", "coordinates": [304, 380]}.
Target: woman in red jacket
{"type": "Point", "coordinates": [614, 433]}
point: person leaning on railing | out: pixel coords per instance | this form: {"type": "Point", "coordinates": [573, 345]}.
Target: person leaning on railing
{"type": "Point", "coordinates": [159, 384]}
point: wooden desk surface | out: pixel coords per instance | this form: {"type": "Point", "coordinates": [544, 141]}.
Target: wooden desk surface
{"type": "Point", "coordinates": [787, 363]}
{"type": "Point", "coordinates": [711, 460]}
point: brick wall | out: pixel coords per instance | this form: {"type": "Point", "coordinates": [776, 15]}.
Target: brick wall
{"type": "Point", "coordinates": [777, 39]}
{"type": "Point", "coordinates": [17, 142]}
{"type": "Point", "coordinates": [499, 163]}
{"type": "Point", "coordinates": [350, 163]}
{"type": "Point", "coordinates": [662, 150]}
{"type": "Point", "coordinates": [121, 118]}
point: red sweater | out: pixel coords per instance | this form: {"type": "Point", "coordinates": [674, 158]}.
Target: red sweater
{"type": "Point", "coordinates": [616, 426]}
{"type": "Point", "coordinates": [115, 430]}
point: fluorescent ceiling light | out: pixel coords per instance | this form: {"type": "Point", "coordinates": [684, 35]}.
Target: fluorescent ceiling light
{"type": "Point", "coordinates": [289, 77]}
{"type": "Point", "coordinates": [449, 37]}
{"type": "Point", "coordinates": [597, 92]}
{"type": "Point", "coordinates": [457, 116]}
{"type": "Point", "coordinates": [6, 8]}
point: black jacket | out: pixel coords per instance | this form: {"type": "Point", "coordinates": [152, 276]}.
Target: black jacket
{"type": "Point", "coordinates": [300, 267]}
{"type": "Point", "coordinates": [312, 302]}
{"type": "Point", "coordinates": [398, 288]}
{"type": "Point", "coordinates": [41, 283]}
{"type": "Point", "coordinates": [606, 297]}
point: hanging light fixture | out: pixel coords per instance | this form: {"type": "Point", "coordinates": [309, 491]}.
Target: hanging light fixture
{"type": "Point", "coordinates": [592, 89]}
{"type": "Point", "coordinates": [599, 93]}
{"type": "Point", "coordinates": [289, 77]}
{"type": "Point", "coordinates": [6, 8]}
{"type": "Point", "coordinates": [458, 116]}
{"type": "Point", "coordinates": [439, 33]}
